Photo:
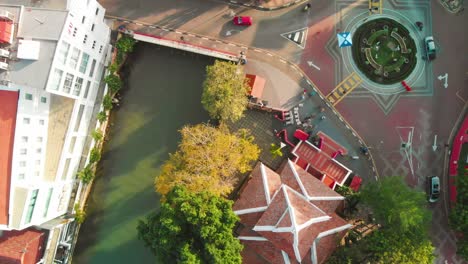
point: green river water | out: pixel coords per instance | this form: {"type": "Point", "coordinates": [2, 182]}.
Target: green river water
{"type": "Point", "coordinates": [163, 93]}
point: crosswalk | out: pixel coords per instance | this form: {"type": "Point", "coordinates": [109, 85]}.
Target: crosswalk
{"type": "Point", "coordinates": [344, 88]}
{"type": "Point", "coordinates": [298, 36]}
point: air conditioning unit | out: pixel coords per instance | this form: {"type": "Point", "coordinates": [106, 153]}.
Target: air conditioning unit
{"type": "Point", "coordinates": [3, 65]}
{"type": "Point", "coordinates": [4, 53]}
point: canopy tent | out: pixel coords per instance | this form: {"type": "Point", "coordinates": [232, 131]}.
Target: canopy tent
{"type": "Point", "coordinates": [256, 84]}
{"type": "Point", "coordinates": [344, 39]}
{"type": "Point", "coordinates": [301, 135]}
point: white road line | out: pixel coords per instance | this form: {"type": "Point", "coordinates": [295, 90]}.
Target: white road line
{"type": "Point", "coordinates": [269, 54]}
{"type": "Point", "coordinates": [165, 29]}
{"type": "Point", "coordinates": [138, 23]}
{"type": "Point", "coordinates": [204, 38]}
{"type": "Point", "coordinates": [152, 26]}
{"type": "Point", "coordinates": [283, 61]}
{"type": "Point", "coordinates": [219, 41]}
{"type": "Point", "coordinates": [230, 44]}
{"type": "Point", "coordinates": [257, 50]}
{"type": "Point", "coordinates": [296, 37]}
{"type": "Point", "coordinates": [313, 65]}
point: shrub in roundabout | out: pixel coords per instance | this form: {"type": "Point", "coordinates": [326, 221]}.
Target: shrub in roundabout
{"type": "Point", "coordinates": [384, 51]}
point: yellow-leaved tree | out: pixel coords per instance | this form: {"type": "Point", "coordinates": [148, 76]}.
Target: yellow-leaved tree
{"type": "Point", "coordinates": [225, 91]}
{"type": "Point", "coordinates": [208, 159]}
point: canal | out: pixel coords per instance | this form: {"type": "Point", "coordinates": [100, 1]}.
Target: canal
{"type": "Point", "coordinates": [163, 93]}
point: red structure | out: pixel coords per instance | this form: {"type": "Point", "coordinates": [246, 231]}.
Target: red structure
{"type": "Point", "coordinates": [21, 247]}
{"type": "Point", "coordinates": [6, 27]}
{"type": "Point", "coordinates": [355, 183]}
{"type": "Point", "coordinates": [407, 87]}
{"type": "Point", "coordinates": [460, 139]}
{"type": "Point", "coordinates": [8, 109]}
{"type": "Point", "coordinates": [301, 135]}
{"type": "Point", "coordinates": [284, 132]}
{"type": "Point", "coordinates": [288, 217]}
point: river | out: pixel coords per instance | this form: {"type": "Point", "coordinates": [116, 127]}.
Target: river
{"type": "Point", "coordinates": [163, 93]}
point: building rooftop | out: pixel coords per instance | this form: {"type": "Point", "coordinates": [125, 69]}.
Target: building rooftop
{"type": "Point", "coordinates": [37, 23]}
{"type": "Point", "coordinates": [288, 217]}
{"type": "Point", "coordinates": [8, 109]}
{"type": "Point", "coordinates": [50, 4]}
{"type": "Point", "coordinates": [21, 247]}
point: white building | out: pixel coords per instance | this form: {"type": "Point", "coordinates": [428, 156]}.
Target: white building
{"type": "Point", "coordinates": [55, 65]}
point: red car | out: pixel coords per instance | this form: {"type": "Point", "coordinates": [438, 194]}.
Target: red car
{"type": "Point", "coordinates": [242, 20]}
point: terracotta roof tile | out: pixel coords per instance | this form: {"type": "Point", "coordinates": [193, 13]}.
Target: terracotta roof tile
{"type": "Point", "coordinates": [326, 245]}
{"type": "Point", "coordinates": [21, 247]}
{"type": "Point", "coordinates": [250, 219]}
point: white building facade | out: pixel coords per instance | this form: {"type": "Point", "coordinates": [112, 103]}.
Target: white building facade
{"type": "Point", "coordinates": [59, 67]}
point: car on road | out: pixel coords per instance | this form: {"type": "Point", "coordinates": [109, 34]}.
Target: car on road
{"type": "Point", "coordinates": [430, 47]}
{"type": "Point", "coordinates": [242, 20]}
{"type": "Point", "coordinates": [434, 189]}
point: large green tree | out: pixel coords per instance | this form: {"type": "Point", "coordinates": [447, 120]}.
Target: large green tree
{"type": "Point", "coordinates": [192, 228]}
{"type": "Point", "coordinates": [459, 214]}
{"type": "Point", "coordinates": [225, 91]}
{"type": "Point", "coordinates": [397, 205]}
{"type": "Point", "coordinates": [208, 158]}
{"type": "Point", "coordinates": [405, 219]}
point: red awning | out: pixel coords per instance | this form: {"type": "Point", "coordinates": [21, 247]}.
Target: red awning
{"type": "Point", "coordinates": [5, 31]}
{"type": "Point", "coordinates": [301, 135]}
{"type": "Point", "coordinates": [256, 84]}
{"type": "Point", "coordinates": [355, 183]}
{"type": "Point", "coordinates": [329, 181]}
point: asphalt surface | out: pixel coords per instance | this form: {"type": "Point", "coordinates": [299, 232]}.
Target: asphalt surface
{"type": "Point", "coordinates": [383, 121]}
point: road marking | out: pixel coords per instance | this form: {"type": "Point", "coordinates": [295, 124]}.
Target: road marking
{"type": "Point", "coordinates": [344, 88]}
{"type": "Point", "coordinates": [298, 36]}
{"type": "Point", "coordinates": [230, 44]}
{"type": "Point", "coordinates": [204, 38]}
{"type": "Point", "coordinates": [139, 24]}
{"type": "Point", "coordinates": [269, 54]}
{"type": "Point", "coordinates": [444, 77]}
{"type": "Point", "coordinates": [313, 65]}
{"type": "Point", "coordinates": [283, 61]}
{"type": "Point", "coordinates": [434, 146]}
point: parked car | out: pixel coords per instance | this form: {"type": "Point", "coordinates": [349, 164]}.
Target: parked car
{"type": "Point", "coordinates": [242, 20]}
{"type": "Point", "coordinates": [430, 47]}
{"type": "Point", "coordinates": [434, 189]}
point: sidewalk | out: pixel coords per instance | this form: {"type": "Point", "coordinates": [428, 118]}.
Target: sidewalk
{"type": "Point", "coordinates": [266, 5]}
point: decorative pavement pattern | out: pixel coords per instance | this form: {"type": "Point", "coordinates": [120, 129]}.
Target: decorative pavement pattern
{"type": "Point", "coordinates": [404, 11]}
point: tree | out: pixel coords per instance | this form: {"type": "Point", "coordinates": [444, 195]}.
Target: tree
{"type": "Point", "coordinates": [95, 155]}
{"type": "Point", "coordinates": [126, 44]}
{"type": "Point", "coordinates": [101, 116]}
{"type": "Point", "coordinates": [208, 158]}
{"type": "Point", "coordinates": [192, 228]}
{"type": "Point", "coordinates": [225, 91]}
{"type": "Point", "coordinates": [397, 205]}
{"type": "Point", "coordinates": [80, 214]}
{"type": "Point", "coordinates": [459, 214]}
{"type": "Point", "coordinates": [114, 82]}
{"type": "Point", "coordinates": [96, 135]}
{"type": "Point", "coordinates": [107, 102]}
{"type": "Point", "coordinates": [86, 174]}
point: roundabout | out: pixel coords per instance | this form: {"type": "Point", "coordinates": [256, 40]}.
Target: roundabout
{"type": "Point", "coordinates": [384, 51]}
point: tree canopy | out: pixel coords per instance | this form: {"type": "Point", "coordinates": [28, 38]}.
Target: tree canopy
{"type": "Point", "coordinates": [208, 158]}
{"type": "Point", "coordinates": [459, 214]}
{"type": "Point", "coordinates": [225, 91]}
{"type": "Point", "coordinates": [192, 228]}
{"type": "Point", "coordinates": [397, 205]}
{"type": "Point", "coordinates": [403, 237]}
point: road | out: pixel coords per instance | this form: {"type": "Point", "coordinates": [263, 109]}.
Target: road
{"type": "Point", "coordinates": [385, 121]}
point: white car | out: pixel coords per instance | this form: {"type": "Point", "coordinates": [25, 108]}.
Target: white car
{"type": "Point", "coordinates": [430, 47]}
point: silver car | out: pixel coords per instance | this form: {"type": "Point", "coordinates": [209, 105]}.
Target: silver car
{"type": "Point", "coordinates": [434, 189]}
{"type": "Point", "coordinates": [430, 47]}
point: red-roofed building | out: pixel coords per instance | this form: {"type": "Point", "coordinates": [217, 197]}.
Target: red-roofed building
{"type": "Point", "coordinates": [8, 110]}
{"type": "Point", "coordinates": [288, 217]}
{"type": "Point", "coordinates": [21, 247]}
{"type": "Point", "coordinates": [319, 162]}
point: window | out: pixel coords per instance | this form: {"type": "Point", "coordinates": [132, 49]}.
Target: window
{"type": "Point", "coordinates": [94, 45]}
{"type": "Point", "coordinates": [74, 31]}
{"type": "Point", "coordinates": [38, 162]}
{"type": "Point", "coordinates": [41, 122]}
{"type": "Point", "coordinates": [37, 173]}
{"type": "Point", "coordinates": [100, 49]}
{"type": "Point", "coordinates": [83, 20]}
{"type": "Point", "coordinates": [23, 151]}
{"type": "Point", "coordinates": [39, 151]}
{"type": "Point", "coordinates": [77, 87]}
{"type": "Point", "coordinates": [87, 89]}
{"type": "Point", "coordinates": [68, 83]}
{"type": "Point", "coordinates": [85, 38]}
{"type": "Point", "coordinates": [43, 99]}
{"type": "Point", "coordinates": [49, 195]}
{"type": "Point", "coordinates": [21, 176]}
{"type": "Point", "coordinates": [93, 65]}
{"type": "Point", "coordinates": [26, 120]}
{"type": "Point", "coordinates": [24, 139]}
{"type": "Point", "coordinates": [74, 58]}
{"type": "Point", "coordinates": [63, 52]}
{"type": "Point", "coordinates": [22, 163]}
{"type": "Point", "coordinates": [28, 96]}
{"type": "Point", "coordinates": [84, 62]}
{"type": "Point", "coordinates": [32, 204]}
{"type": "Point", "coordinates": [39, 139]}
{"type": "Point", "coordinates": [56, 79]}
{"type": "Point", "coordinates": [92, 27]}
{"type": "Point", "coordinates": [97, 11]}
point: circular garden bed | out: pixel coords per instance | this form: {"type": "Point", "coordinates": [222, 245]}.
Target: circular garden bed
{"type": "Point", "coordinates": [384, 51]}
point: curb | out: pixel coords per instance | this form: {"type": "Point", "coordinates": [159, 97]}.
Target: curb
{"type": "Point", "coordinates": [262, 8]}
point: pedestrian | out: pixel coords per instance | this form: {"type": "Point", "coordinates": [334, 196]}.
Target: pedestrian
{"type": "Point", "coordinates": [182, 38]}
